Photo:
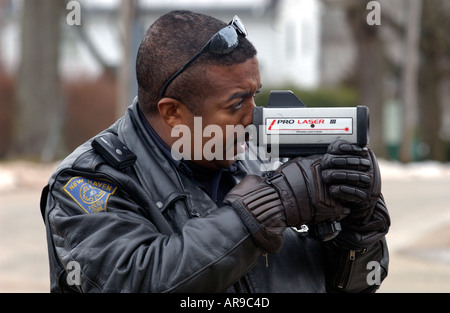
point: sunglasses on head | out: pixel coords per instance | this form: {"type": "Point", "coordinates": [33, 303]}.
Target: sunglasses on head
{"type": "Point", "coordinates": [222, 42]}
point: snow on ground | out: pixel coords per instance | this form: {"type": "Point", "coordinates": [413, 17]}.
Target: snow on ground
{"type": "Point", "coordinates": [409, 171]}
{"type": "Point", "coordinates": [22, 174]}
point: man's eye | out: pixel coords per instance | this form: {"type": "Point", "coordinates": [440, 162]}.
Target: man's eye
{"type": "Point", "coordinates": [237, 106]}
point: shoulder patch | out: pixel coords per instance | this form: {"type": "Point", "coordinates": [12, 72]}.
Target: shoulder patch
{"type": "Point", "coordinates": [90, 194]}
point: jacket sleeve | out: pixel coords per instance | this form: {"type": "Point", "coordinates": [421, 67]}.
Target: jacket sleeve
{"type": "Point", "coordinates": [120, 249]}
{"type": "Point", "coordinates": [358, 258]}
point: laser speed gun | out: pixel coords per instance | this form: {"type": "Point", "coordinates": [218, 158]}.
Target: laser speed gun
{"type": "Point", "coordinates": [287, 129]}
{"type": "Point", "coordinates": [300, 131]}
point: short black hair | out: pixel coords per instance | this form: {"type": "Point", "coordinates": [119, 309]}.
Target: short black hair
{"type": "Point", "coordinates": [169, 43]}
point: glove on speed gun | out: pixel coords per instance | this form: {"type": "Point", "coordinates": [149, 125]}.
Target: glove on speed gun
{"type": "Point", "coordinates": [286, 128]}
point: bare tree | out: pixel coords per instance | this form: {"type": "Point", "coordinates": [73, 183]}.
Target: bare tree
{"type": "Point", "coordinates": [127, 16]}
{"type": "Point", "coordinates": [410, 79]}
{"type": "Point", "coordinates": [369, 68]}
{"type": "Point", "coordinates": [38, 84]}
{"type": "Point", "coordinates": [422, 72]}
{"type": "Point", "coordinates": [434, 71]}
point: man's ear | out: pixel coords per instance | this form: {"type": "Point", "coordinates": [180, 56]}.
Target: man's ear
{"type": "Point", "coordinates": [171, 111]}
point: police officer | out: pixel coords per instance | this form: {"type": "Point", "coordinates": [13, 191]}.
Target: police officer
{"type": "Point", "coordinates": [149, 205]}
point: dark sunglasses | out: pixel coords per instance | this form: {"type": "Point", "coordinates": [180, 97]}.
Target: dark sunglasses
{"type": "Point", "coordinates": [223, 42]}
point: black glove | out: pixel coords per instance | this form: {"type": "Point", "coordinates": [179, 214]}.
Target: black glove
{"type": "Point", "coordinates": [354, 178]}
{"type": "Point", "coordinates": [362, 236]}
{"type": "Point", "coordinates": [293, 195]}
{"type": "Point", "coordinates": [261, 210]}
{"type": "Point", "coordinates": [303, 193]}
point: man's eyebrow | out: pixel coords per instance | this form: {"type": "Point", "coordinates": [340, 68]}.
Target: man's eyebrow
{"type": "Point", "coordinates": [243, 94]}
{"type": "Point", "coordinates": [239, 95]}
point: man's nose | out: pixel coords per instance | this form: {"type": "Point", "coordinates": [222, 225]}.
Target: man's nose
{"type": "Point", "coordinates": [248, 116]}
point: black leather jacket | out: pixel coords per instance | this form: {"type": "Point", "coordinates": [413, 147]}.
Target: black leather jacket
{"type": "Point", "coordinates": [148, 228]}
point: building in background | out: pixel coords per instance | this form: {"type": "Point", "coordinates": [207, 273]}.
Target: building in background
{"type": "Point", "coordinates": [286, 34]}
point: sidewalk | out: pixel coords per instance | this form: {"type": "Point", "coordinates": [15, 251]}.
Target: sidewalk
{"type": "Point", "coordinates": [23, 247]}
{"type": "Point", "coordinates": [419, 237]}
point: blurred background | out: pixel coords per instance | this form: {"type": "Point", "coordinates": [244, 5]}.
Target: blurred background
{"type": "Point", "coordinates": [67, 72]}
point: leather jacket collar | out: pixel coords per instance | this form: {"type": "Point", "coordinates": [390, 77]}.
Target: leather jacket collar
{"type": "Point", "coordinates": [150, 160]}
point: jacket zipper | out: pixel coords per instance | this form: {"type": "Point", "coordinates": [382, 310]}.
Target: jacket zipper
{"type": "Point", "coordinates": [241, 286]}
{"type": "Point", "coordinates": [244, 286]}
{"type": "Point", "coordinates": [347, 269]}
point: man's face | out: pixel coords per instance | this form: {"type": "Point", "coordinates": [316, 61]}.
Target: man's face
{"type": "Point", "coordinates": [229, 104]}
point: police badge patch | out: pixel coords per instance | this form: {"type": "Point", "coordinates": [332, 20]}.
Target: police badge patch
{"type": "Point", "coordinates": [90, 194]}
